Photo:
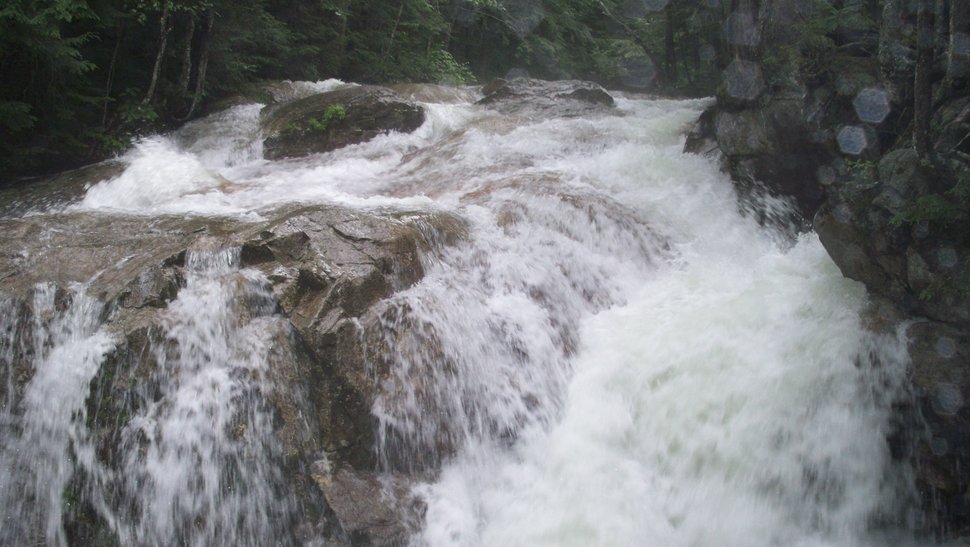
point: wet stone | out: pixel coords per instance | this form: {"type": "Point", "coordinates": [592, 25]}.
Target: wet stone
{"type": "Point", "coordinates": [939, 446]}
{"type": "Point", "coordinates": [960, 42]}
{"type": "Point", "coordinates": [921, 230]}
{"type": "Point", "coordinates": [825, 175]}
{"type": "Point", "coordinates": [741, 29]}
{"type": "Point", "coordinates": [842, 213]}
{"type": "Point", "coordinates": [706, 53]}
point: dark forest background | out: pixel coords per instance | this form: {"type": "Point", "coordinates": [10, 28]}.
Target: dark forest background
{"type": "Point", "coordinates": [80, 79]}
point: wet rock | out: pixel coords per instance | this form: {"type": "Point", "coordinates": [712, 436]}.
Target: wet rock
{"type": "Point", "coordinates": [327, 121]}
{"type": "Point", "coordinates": [918, 266]}
{"type": "Point", "coordinates": [16, 199]}
{"type": "Point", "coordinates": [940, 353]}
{"type": "Point", "coordinates": [154, 287]}
{"type": "Point", "coordinates": [863, 227]}
{"type": "Point", "coordinates": [371, 509]}
{"type": "Point", "coordinates": [702, 138]}
{"type": "Point", "coordinates": [530, 96]}
{"type": "Point", "coordinates": [745, 133]}
{"type": "Point", "coordinates": [768, 146]}
{"type": "Point", "coordinates": [109, 254]}
{"type": "Point", "coordinates": [16, 351]}
{"type": "Point", "coordinates": [326, 268]}
{"type": "Point", "coordinates": [953, 119]}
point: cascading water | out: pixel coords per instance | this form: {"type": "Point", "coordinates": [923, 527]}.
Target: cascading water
{"type": "Point", "coordinates": [613, 355]}
{"type": "Point", "coordinates": [200, 467]}
{"type": "Point", "coordinates": [48, 436]}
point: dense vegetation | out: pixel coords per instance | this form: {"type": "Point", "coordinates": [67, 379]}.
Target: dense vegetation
{"type": "Point", "coordinates": [79, 78]}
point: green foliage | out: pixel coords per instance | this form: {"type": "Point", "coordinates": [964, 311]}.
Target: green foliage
{"type": "Point", "coordinates": [860, 170]}
{"type": "Point", "coordinates": [78, 78]}
{"type": "Point", "coordinates": [949, 209]}
{"type": "Point", "coordinates": [333, 113]}
{"type": "Point", "coordinates": [444, 68]}
{"type": "Point", "coordinates": [318, 124]}
{"type": "Point", "coordinates": [819, 34]}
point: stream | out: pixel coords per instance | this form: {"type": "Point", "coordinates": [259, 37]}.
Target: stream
{"type": "Point", "coordinates": [614, 352]}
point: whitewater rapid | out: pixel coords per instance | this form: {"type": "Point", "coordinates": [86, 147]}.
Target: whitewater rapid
{"type": "Point", "coordinates": [615, 356]}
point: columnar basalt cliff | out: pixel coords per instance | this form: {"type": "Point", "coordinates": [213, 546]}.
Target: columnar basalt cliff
{"type": "Point", "coordinates": [823, 113]}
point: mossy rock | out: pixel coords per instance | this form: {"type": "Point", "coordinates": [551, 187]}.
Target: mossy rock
{"type": "Point", "coordinates": [332, 120]}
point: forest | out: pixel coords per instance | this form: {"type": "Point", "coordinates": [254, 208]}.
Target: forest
{"type": "Point", "coordinates": [79, 79]}
{"type": "Point", "coordinates": [735, 233]}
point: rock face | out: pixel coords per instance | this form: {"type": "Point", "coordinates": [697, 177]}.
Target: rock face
{"type": "Point", "coordinates": [332, 120]}
{"type": "Point", "coordinates": [57, 190]}
{"type": "Point", "coordinates": [372, 510]}
{"type": "Point", "coordinates": [835, 136]}
{"type": "Point", "coordinates": [922, 268]}
{"type": "Point", "coordinates": [322, 271]}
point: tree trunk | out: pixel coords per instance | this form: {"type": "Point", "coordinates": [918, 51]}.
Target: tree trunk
{"type": "Point", "coordinates": [203, 63]}
{"type": "Point", "coordinates": [958, 48]}
{"type": "Point", "coordinates": [111, 75]}
{"type": "Point", "coordinates": [890, 40]}
{"type": "Point", "coordinates": [923, 84]}
{"type": "Point", "coordinates": [390, 40]}
{"type": "Point", "coordinates": [186, 74]}
{"type": "Point", "coordinates": [669, 43]}
{"type": "Point", "coordinates": [941, 12]}
{"type": "Point", "coordinates": [163, 27]}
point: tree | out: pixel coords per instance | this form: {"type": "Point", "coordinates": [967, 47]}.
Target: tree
{"type": "Point", "coordinates": [42, 78]}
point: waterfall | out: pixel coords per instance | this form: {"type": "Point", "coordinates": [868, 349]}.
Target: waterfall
{"type": "Point", "coordinates": [613, 354]}
{"type": "Point", "coordinates": [44, 430]}
{"type": "Point", "coordinates": [200, 465]}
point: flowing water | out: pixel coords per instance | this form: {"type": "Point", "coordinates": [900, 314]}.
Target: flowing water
{"type": "Point", "coordinates": [615, 355]}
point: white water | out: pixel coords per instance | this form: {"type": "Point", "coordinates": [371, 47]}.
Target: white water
{"type": "Point", "coordinates": [201, 466]}
{"type": "Point", "coordinates": [615, 356]}
{"type": "Point", "coordinates": [42, 446]}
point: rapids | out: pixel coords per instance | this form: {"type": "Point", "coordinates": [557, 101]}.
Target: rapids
{"type": "Point", "coordinates": [615, 355]}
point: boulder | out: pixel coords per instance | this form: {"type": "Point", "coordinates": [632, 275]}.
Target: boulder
{"type": "Point", "coordinates": [325, 268]}
{"type": "Point", "coordinates": [768, 146]}
{"type": "Point", "coordinates": [371, 509]}
{"type": "Point", "coordinates": [529, 96]}
{"type": "Point", "coordinates": [918, 267]}
{"type": "Point", "coordinates": [940, 353]}
{"type": "Point", "coordinates": [327, 121]}
{"type": "Point", "coordinates": [864, 229]}
{"type": "Point", "coordinates": [19, 198]}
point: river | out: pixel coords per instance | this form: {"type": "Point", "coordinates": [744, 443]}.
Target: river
{"type": "Point", "coordinates": [616, 354]}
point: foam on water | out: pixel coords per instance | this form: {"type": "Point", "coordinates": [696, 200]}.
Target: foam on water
{"type": "Point", "coordinates": [157, 172]}
{"type": "Point", "coordinates": [725, 404]}
{"type": "Point", "coordinates": [214, 167]}
{"type": "Point", "coordinates": [723, 399]}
